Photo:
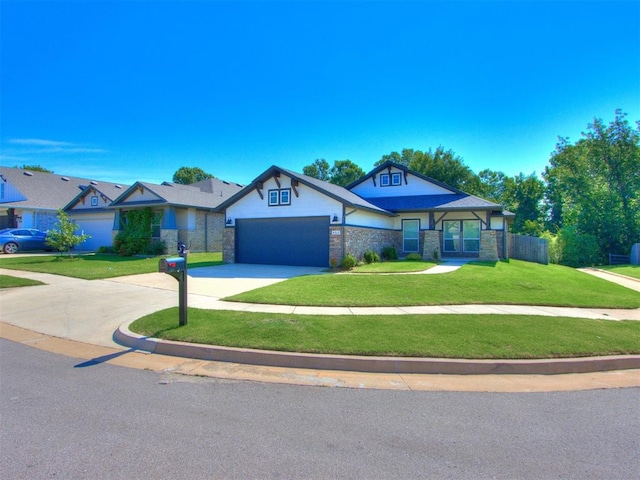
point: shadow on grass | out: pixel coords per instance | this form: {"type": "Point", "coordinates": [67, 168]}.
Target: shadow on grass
{"type": "Point", "coordinates": [483, 264]}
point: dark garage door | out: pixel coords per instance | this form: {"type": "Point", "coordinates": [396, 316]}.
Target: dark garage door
{"type": "Point", "coordinates": [302, 241]}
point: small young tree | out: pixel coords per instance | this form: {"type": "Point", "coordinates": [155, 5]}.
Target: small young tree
{"type": "Point", "coordinates": [63, 237]}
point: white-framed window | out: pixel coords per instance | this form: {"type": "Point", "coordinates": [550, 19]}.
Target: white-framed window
{"type": "Point", "coordinates": [280, 197]}
{"type": "Point", "coordinates": [396, 179]}
{"type": "Point", "coordinates": [453, 231]}
{"type": "Point", "coordinates": [384, 180]}
{"type": "Point", "coordinates": [411, 235]}
{"type": "Point", "coordinates": [285, 196]}
{"type": "Point", "coordinates": [451, 235]}
{"type": "Point", "coordinates": [471, 236]}
{"type": "Point", "coordinates": [94, 201]}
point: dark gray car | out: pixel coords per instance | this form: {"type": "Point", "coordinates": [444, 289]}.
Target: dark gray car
{"type": "Point", "coordinates": [13, 240]}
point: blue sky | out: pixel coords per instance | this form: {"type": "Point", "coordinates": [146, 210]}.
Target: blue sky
{"type": "Point", "coordinates": [133, 90]}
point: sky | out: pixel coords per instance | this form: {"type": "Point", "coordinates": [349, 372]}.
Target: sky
{"type": "Point", "coordinates": [127, 91]}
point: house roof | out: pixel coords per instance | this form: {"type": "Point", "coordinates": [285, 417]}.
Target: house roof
{"type": "Point", "coordinates": [51, 191]}
{"type": "Point", "coordinates": [336, 192]}
{"type": "Point", "coordinates": [456, 201]}
{"type": "Point", "coordinates": [215, 192]}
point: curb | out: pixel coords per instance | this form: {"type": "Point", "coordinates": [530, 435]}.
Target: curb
{"type": "Point", "coordinates": [353, 363]}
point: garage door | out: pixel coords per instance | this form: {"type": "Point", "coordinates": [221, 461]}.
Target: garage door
{"type": "Point", "coordinates": [99, 227]}
{"type": "Point", "coordinates": [302, 241]}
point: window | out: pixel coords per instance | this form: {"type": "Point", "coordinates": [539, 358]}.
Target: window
{"type": "Point", "coordinates": [280, 197]}
{"type": "Point", "coordinates": [94, 201]}
{"type": "Point", "coordinates": [393, 179]}
{"type": "Point", "coordinates": [451, 235]}
{"type": "Point", "coordinates": [156, 225]}
{"type": "Point", "coordinates": [470, 235]}
{"type": "Point", "coordinates": [411, 235]}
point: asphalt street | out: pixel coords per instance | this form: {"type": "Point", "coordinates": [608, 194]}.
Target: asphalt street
{"type": "Point", "coordinates": [68, 418]}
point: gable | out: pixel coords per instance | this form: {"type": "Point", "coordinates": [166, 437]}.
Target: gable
{"type": "Point", "coordinates": [396, 182]}
{"type": "Point", "coordinates": [139, 194]}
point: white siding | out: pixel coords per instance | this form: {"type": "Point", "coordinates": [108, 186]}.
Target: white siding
{"type": "Point", "coordinates": [363, 218]}
{"type": "Point", "coordinates": [422, 216]}
{"type": "Point", "coordinates": [497, 223]}
{"type": "Point", "coordinates": [136, 196]}
{"type": "Point", "coordinates": [460, 216]}
{"type": "Point", "coordinates": [308, 203]}
{"type": "Point", "coordinates": [414, 186]}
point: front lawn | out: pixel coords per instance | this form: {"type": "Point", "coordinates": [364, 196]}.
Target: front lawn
{"type": "Point", "coordinates": [514, 282]}
{"type": "Point", "coordinates": [443, 336]}
{"type": "Point", "coordinates": [400, 266]}
{"type": "Point", "coordinates": [7, 281]}
{"type": "Point", "coordinates": [628, 270]}
{"type": "Point", "coordinates": [92, 267]}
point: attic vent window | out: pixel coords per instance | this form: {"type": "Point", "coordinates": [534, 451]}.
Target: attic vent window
{"type": "Point", "coordinates": [64, 179]}
{"type": "Point", "coordinates": [28, 174]}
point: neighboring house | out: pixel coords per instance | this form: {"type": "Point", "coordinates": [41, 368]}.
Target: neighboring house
{"type": "Point", "coordinates": [182, 213]}
{"type": "Point", "coordinates": [31, 199]}
{"type": "Point", "coordinates": [286, 218]}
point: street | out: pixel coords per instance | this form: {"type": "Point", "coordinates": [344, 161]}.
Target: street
{"type": "Point", "coordinates": [65, 418]}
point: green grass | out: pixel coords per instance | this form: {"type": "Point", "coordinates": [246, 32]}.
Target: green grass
{"type": "Point", "coordinates": [514, 282]}
{"type": "Point", "coordinates": [7, 281]}
{"type": "Point", "coordinates": [628, 270]}
{"type": "Point", "coordinates": [443, 336]}
{"type": "Point", "coordinates": [92, 267]}
{"type": "Point", "coordinates": [401, 266]}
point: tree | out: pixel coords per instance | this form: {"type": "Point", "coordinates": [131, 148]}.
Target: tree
{"type": "Point", "coordinates": [318, 169]}
{"type": "Point", "coordinates": [190, 175]}
{"type": "Point", "coordinates": [524, 196]}
{"type": "Point", "coordinates": [35, 168]}
{"type": "Point", "coordinates": [594, 184]}
{"type": "Point", "coordinates": [345, 172]}
{"type": "Point", "coordinates": [342, 173]}
{"type": "Point", "coordinates": [63, 237]}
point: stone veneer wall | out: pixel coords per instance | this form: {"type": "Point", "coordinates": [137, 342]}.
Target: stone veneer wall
{"type": "Point", "coordinates": [170, 239]}
{"type": "Point", "coordinates": [336, 253]}
{"type": "Point", "coordinates": [229, 245]}
{"type": "Point", "coordinates": [488, 246]}
{"type": "Point", "coordinates": [431, 243]}
{"type": "Point", "coordinates": [500, 234]}
{"type": "Point", "coordinates": [215, 227]}
{"type": "Point", "coordinates": [358, 240]}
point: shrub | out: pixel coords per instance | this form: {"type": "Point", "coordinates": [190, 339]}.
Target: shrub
{"type": "Point", "coordinates": [135, 236]}
{"type": "Point", "coordinates": [348, 262]}
{"type": "Point", "coordinates": [414, 257]}
{"type": "Point", "coordinates": [436, 254]}
{"type": "Point", "coordinates": [390, 253]}
{"type": "Point", "coordinates": [577, 249]}
{"type": "Point", "coordinates": [105, 249]}
{"type": "Point", "coordinates": [371, 257]}
{"type": "Point", "coordinates": [156, 247]}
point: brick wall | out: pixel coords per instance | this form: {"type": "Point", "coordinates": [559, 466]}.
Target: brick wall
{"type": "Point", "coordinates": [336, 253]}
{"type": "Point", "coordinates": [229, 245]}
{"type": "Point", "coordinates": [358, 240]}
{"type": "Point", "coordinates": [488, 246]}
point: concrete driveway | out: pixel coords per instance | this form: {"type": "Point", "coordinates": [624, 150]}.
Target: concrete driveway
{"type": "Point", "coordinates": [223, 280]}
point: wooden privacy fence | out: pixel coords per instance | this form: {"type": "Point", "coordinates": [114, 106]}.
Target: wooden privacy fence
{"type": "Point", "coordinates": [531, 249]}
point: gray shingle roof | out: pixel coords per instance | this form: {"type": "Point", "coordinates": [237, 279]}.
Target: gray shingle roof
{"type": "Point", "coordinates": [51, 191]}
{"type": "Point", "coordinates": [183, 195]}
{"type": "Point", "coordinates": [340, 194]}
{"type": "Point", "coordinates": [456, 201]}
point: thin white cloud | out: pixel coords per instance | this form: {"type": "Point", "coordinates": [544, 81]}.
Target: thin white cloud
{"type": "Point", "coordinates": [39, 142]}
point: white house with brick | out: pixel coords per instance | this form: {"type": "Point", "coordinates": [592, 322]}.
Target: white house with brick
{"type": "Point", "coordinates": [286, 218]}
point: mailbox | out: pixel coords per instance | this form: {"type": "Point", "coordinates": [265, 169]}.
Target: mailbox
{"type": "Point", "coordinates": [171, 265]}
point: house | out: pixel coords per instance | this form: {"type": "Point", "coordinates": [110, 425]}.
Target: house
{"type": "Point", "coordinates": [286, 218]}
{"type": "Point", "coordinates": [181, 213]}
{"type": "Point", "coordinates": [31, 199]}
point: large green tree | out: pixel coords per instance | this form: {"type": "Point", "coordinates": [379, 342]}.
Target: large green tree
{"type": "Point", "coordinates": [343, 172]}
{"type": "Point", "coordinates": [594, 184]}
{"type": "Point", "coordinates": [189, 175]}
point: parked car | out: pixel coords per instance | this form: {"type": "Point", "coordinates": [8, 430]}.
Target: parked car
{"type": "Point", "coordinates": [13, 240]}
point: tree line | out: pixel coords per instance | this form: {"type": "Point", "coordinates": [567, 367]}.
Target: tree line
{"type": "Point", "coordinates": [586, 202]}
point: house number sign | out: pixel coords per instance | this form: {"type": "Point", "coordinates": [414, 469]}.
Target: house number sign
{"type": "Point", "coordinates": [335, 233]}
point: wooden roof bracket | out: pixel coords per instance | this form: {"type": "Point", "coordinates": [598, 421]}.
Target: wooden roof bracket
{"type": "Point", "coordinates": [440, 218]}
{"type": "Point", "coordinates": [373, 177]}
{"type": "Point", "coordinates": [276, 177]}
{"type": "Point", "coordinates": [294, 184]}
{"type": "Point", "coordinates": [259, 186]}
{"type": "Point", "coordinates": [484, 222]}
